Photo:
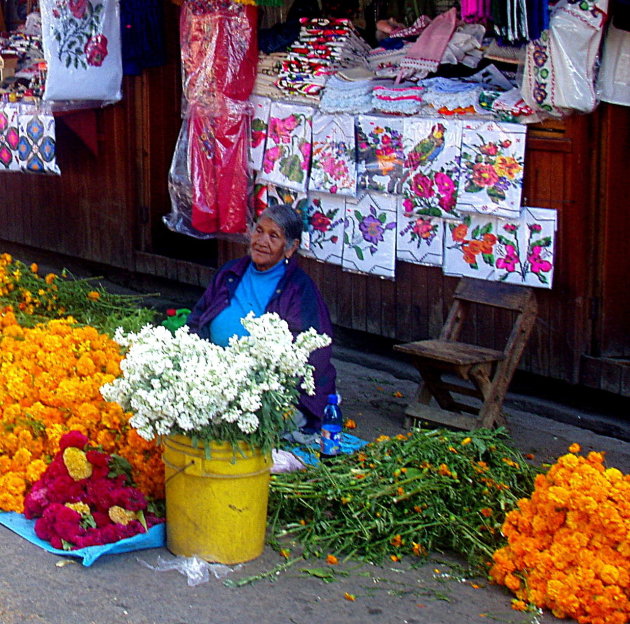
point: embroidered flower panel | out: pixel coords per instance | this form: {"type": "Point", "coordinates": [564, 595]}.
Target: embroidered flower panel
{"type": "Point", "coordinates": [369, 239]}
{"type": "Point", "coordinates": [431, 167]}
{"type": "Point", "coordinates": [333, 169]}
{"type": "Point", "coordinates": [491, 171]}
{"type": "Point", "coordinates": [81, 41]}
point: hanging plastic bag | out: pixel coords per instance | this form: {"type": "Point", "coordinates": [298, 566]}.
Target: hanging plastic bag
{"type": "Point", "coordinates": [559, 73]}
{"type": "Point", "coordinates": [219, 51]}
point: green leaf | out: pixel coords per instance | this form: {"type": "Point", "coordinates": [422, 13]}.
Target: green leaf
{"type": "Point", "coordinates": [471, 187]}
{"type": "Point", "coordinates": [358, 216]}
{"type": "Point", "coordinates": [542, 242]}
{"type": "Point", "coordinates": [291, 168]}
{"type": "Point", "coordinates": [486, 229]}
{"type": "Point", "coordinates": [359, 252]}
{"type": "Point", "coordinates": [325, 574]}
{"type": "Point", "coordinates": [505, 241]}
{"type": "Point", "coordinates": [67, 545]}
{"type": "Point", "coordinates": [496, 195]}
{"type": "Point", "coordinates": [542, 278]}
{"type": "Point", "coordinates": [142, 519]}
{"type": "Point", "coordinates": [475, 232]}
{"type": "Point", "coordinates": [488, 259]}
{"type": "Point", "coordinates": [382, 217]}
{"type": "Point", "coordinates": [259, 125]}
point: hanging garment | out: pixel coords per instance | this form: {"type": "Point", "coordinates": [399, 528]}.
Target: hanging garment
{"type": "Point", "coordinates": [426, 53]}
{"type": "Point", "coordinates": [219, 50]}
{"type": "Point", "coordinates": [379, 153]}
{"type": "Point", "coordinates": [142, 35]}
{"type": "Point", "coordinates": [559, 71]}
{"type": "Point", "coordinates": [613, 80]}
{"type": "Point", "coordinates": [469, 247]}
{"type": "Point", "coordinates": [218, 153]}
{"type": "Point", "coordinates": [326, 215]}
{"type": "Point", "coordinates": [260, 120]}
{"type": "Point", "coordinates": [81, 42]}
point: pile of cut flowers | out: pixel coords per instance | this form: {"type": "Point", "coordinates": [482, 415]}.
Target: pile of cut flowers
{"type": "Point", "coordinates": [35, 299]}
{"type": "Point", "coordinates": [50, 379]}
{"type": "Point", "coordinates": [86, 498]}
{"type": "Point", "coordinates": [569, 542]}
{"type": "Point", "coordinates": [405, 497]}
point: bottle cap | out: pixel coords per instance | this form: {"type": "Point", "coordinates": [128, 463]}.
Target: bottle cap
{"type": "Point", "coordinates": [332, 398]}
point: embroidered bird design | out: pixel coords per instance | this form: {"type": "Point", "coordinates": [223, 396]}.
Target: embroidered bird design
{"type": "Point", "coordinates": [429, 148]}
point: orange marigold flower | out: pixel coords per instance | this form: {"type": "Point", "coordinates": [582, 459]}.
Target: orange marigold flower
{"type": "Point", "coordinates": [394, 558]}
{"type": "Point", "coordinates": [94, 295]}
{"type": "Point", "coordinates": [332, 560]}
{"type": "Point", "coordinates": [34, 267]}
{"type": "Point", "coordinates": [396, 541]}
{"type": "Point", "coordinates": [486, 512]}
{"type": "Point", "coordinates": [466, 441]}
{"type": "Point", "coordinates": [350, 597]}
{"type": "Point", "coordinates": [284, 552]}
{"type": "Point", "coordinates": [519, 605]}
{"type": "Point", "coordinates": [350, 424]}
{"type": "Point", "coordinates": [575, 448]}
{"type": "Point", "coordinates": [444, 471]}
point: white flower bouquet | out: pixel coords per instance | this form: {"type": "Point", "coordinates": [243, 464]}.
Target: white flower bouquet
{"type": "Point", "coordinates": [179, 383]}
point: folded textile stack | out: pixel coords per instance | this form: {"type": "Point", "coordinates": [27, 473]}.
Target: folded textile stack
{"type": "Point", "coordinates": [384, 62]}
{"type": "Point", "coordinates": [323, 47]}
{"type": "Point", "coordinates": [347, 96]}
{"type": "Point", "coordinates": [452, 95]}
{"type": "Point", "coordinates": [402, 98]}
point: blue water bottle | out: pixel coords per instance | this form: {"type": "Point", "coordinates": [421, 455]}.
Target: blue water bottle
{"type": "Point", "coordinates": [332, 424]}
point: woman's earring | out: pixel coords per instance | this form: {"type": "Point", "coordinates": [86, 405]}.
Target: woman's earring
{"type": "Point", "coordinates": [286, 260]}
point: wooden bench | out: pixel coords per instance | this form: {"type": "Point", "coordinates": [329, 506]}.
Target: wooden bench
{"type": "Point", "coordinates": [486, 373]}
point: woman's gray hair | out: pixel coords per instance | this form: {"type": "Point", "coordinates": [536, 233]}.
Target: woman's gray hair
{"type": "Point", "coordinates": [287, 219]}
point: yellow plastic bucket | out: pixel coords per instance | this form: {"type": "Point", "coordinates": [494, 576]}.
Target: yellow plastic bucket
{"type": "Point", "coordinates": [216, 508]}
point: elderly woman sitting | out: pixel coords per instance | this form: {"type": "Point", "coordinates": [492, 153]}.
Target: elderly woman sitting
{"type": "Point", "coordinates": [270, 280]}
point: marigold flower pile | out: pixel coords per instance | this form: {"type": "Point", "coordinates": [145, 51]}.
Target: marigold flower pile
{"type": "Point", "coordinates": [569, 543]}
{"type": "Point", "coordinates": [35, 299]}
{"type": "Point", "coordinates": [82, 500]}
{"type": "Point", "coordinates": [50, 377]}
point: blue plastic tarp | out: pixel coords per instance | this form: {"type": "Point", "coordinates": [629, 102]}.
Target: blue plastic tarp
{"type": "Point", "coordinates": [153, 538]}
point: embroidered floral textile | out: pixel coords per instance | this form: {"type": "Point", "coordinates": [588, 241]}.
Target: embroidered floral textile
{"type": "Point", "coordinates": [526, 247]}
{"type": "Point", "coordinates": [379, 154]}
{"type": "Point", "coordinates": [288, 151]}
{"type": "Point", "coordinates": [81, 41]}
{"type": "Point", "coordinates": [469, 247]}
{"type": "Point", "coordinates": [492, 163]}
{"type": "Point", "coordinates": [369, 239]}
{"type": "Point", "coordinates": [420, 238]}
{"type": "Point", "coordinates": [430, 170]}
{"type": "Point", "coordinates": [326, 215]}
{"type": "Point", "coordinates": [333, 169]}
{"type": "Point", "coordinates": [260, 122]}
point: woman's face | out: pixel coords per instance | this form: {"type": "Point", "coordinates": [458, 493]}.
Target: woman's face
{"type": "Point", "coordinates": [268, 244]}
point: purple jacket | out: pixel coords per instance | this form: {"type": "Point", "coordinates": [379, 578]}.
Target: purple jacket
{"type": "Point", "coordinates": [296, 300]}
